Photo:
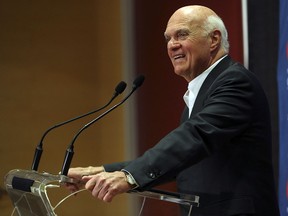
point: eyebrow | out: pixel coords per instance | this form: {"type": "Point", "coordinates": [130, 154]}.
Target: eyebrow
{"type": "Point", "coordinates": [181, 30]}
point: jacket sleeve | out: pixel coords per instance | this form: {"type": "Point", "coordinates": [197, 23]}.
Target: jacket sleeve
{"type": "Point", "coordinates": [115, 166]}
{"type": "Point", "coordinates": [227, 111]}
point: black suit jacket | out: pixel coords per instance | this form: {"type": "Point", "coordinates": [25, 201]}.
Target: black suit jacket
{"type": "Point", "coordinates": [222, 152]}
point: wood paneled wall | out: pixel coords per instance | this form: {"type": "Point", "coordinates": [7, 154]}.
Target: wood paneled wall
{"type": "Point", "coordinates": [60, 59]}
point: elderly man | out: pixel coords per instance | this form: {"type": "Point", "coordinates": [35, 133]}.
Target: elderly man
{"type": "Point", "coordinates": [222, 149]}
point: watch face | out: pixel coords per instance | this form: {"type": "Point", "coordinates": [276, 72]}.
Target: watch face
{"type": "Point", "coordinates": [129, 179]}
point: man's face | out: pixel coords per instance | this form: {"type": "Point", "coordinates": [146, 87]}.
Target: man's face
{"type": "Point", "coordinates": [188, 47]}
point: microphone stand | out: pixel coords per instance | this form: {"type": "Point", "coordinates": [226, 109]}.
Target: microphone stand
{"type": "Point", "coordinates": [39, 149]}
{"type": "Point", "coordinates": [70, 150]}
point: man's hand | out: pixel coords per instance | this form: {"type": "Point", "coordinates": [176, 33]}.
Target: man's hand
{"type": "Point", "coordinates": [105, 186]}
{"type": "Point", "coordinates": [77, 173]}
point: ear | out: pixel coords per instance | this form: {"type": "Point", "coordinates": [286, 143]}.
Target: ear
{"type": "Point", "coordinates": [215, 40]}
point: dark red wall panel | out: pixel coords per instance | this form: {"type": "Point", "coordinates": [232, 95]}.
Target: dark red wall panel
{"type": "Point", "coordinates": [160, 103]}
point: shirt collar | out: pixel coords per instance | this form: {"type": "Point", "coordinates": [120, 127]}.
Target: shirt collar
{"type": "Point", "coordinates": [195, 85]}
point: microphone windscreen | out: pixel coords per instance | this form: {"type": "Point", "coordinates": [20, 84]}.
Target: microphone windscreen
{"type": "Point", "coordinates": [120, 87]}
{"type": "Point", "coordinates": [138, 81]}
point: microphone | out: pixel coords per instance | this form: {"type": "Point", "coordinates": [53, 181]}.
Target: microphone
{"type": "Point", "coordinates": [70, 150]}
{"type": "Point", "coordinates": [39, 149]}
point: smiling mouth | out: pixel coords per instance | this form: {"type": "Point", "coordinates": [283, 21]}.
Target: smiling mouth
{"type": "Point", "coordinates": [179, 56]}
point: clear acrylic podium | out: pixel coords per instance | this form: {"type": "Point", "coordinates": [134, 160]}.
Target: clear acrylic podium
{"type": "Point", "coordinates": [27, 190]}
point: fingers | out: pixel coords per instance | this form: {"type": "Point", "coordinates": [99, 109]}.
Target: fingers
{"type": "Point", "coordinates": [105, 186]}
{"type": "Point", "coordinates": [99, 185]}
{"type": "Point", "coordinates": [105, 191]}
{"type": "Point", "coordinates": [72, 187]}
{"type": "Point", "coordinates": [108, 194]}
{"type": "Point", "coordinates": [78, 173]}
{"type": "Point", "coordinates": [90, 182]}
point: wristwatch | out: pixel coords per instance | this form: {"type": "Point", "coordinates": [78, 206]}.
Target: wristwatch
{"type": "Point", "coordinates": [129, 178]}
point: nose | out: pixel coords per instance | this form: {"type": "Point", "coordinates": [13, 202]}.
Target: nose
{"type": "Point", "coordinates": [172, 44]}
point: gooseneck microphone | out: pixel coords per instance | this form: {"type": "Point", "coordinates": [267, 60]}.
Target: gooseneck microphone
{"type": "Point", "coordinates": [39, 149]}
{"type": "Point", "coordinates": [70, 150]}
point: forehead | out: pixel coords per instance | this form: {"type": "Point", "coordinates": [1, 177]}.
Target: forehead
{"type": "Point", "coordinates": [177, 23]}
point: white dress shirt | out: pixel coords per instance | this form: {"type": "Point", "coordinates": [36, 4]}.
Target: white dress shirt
{"type": "Point", "coordinates": [195, 85]}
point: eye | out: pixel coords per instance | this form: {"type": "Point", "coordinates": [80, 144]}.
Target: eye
{"type": "Point", "coordinates": [182, 35]}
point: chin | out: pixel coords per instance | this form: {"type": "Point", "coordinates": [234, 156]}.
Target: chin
{"type": "Point", "coordinates": [179, 72]}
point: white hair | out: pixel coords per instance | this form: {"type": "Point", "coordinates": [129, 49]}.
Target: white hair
{"type": "Point", "coordinates": [215, 22]}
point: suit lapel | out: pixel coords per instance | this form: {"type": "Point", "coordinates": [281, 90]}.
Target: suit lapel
{"type": "Point", "coordinates": [220, 67]}
{"type": "Point", "coordinates": [184, 115]}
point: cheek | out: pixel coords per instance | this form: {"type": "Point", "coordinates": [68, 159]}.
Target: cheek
{"type": "Point", "coordinates": [197, 53]}
{"type": "Point", "coordinates": [169, 52]}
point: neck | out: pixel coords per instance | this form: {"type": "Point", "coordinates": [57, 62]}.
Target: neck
{"type": "Point", "coordinates": [213, 59]}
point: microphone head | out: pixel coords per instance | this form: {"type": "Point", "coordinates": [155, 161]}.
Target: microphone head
{"type": "Point", "coordinates": [138, 81]}
{"type": "Point", "coordinates": [120, 87]}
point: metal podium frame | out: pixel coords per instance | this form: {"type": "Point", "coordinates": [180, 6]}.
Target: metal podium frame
{"type": "Point", "coordinates": [27, 190]}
